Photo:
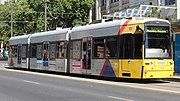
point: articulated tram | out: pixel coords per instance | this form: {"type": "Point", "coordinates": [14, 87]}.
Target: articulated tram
{"type": "Point", "coordinates": [139, 48]}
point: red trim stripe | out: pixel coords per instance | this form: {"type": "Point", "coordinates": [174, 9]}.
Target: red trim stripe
{"type": "Point", "coordinates": [104, 66]}
{"type": "Point", "coordinates": [123, 27]}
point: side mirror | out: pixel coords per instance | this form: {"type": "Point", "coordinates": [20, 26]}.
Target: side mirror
{"type": "Point", "coordinates": [144, 36]}
{"type": "Point", "coordinates": [173, 36]}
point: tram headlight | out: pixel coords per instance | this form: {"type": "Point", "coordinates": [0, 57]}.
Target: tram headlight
{"type": "Point", "coordinates": [150, 63]}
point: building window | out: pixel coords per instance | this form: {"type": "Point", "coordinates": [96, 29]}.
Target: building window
{"type": "Point", "coordinates": [170, 2]}
{"type": "Point", "coordinates": [150, 3]}
{"type": "Point", "coordinates": [116, 0]}
{"type": "Point", "coordinates": [103, 2]}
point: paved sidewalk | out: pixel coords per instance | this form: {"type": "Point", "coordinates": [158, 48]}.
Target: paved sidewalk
{"type": "Point", "coordinates": [3, 64]}
{"type": "Point", "coordinates": [176, 78]}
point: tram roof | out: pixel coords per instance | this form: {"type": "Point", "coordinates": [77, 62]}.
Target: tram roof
{"type": "Point", "coordinates": [55, 35]}
{"type": "Point", "coordinates": [99, 25]}
{"type": "Point", "coordinates": [116, 23]}
{"type": "Point", "coordinates": [23, 39]}
{"type": "Point", "coordinates": [53, 32]}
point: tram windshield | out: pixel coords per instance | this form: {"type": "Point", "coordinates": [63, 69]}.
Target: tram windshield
{"type": "Point", "coordinates": [157, 43]}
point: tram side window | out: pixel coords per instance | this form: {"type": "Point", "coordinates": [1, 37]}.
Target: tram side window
{"type": "Point", "coordinates": [52, 51]}
{"type": "Point", "coordinates": [99, 46]}
{"type": "Point", "coordinates": [33, 51]}
{"type": "Point", "coordinates": [24, 52]}
{"type": "Point", "coordinates": [76, 49]}
{"type": "Point", "coordinates": [128, 47]}
{"type": "Point", "coordinates": [131, 46]}
{"type": "Point", "coordinates": [111, 47]}
{"type": "Point", "coordinates": [120, 48]}
{"type": "Point", "coordinates": [39, 51]}
{"type": "Point", "coordinates": [60, 52]}
{"type": "Point", "coordinates": [137, 40]}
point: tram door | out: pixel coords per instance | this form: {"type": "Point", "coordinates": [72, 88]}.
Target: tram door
{"type": "Point", "coordinates": [86, 55]}
{"type": "Point", "coordinates": [45, 54]}
{"type": "Point", "coordinates": [19, 54]}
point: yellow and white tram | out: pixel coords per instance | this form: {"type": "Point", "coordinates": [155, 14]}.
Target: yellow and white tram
{"type": "Point", "coordinates": [139, 48]}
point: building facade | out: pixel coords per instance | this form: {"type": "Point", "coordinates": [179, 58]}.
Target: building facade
{"type": "Point", "coordinates": [110, 7]}
{"type": "Point", "coordinates": [2, 1]}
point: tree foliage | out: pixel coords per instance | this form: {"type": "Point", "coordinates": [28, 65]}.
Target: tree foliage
{"type": "Point", "coordinates": [29, 16]}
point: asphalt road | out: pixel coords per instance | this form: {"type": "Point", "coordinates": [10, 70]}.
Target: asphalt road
{"type": "Point", "coordinates": [18, 85]}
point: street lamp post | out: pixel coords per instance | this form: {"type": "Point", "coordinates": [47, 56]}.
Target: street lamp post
{"type": "Point", "coordinates": [45, 10]}
{"type": "Point", "coordinates": [11, 18]}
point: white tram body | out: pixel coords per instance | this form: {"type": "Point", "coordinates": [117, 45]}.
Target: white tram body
{"type": "Point", "coordinates": [46, 46]}
{"type": "Point", "coordinates": [19, 46]}
{"type": "Point", "coordinates": [126, 48]}
{"type": "Point", "coordinates": [82, 39]}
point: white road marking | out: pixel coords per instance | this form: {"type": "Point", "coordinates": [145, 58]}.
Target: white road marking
{"type": "Point", "coordinates": [31, 82]}
{"type": "Point", "coordinates": [118, 98]}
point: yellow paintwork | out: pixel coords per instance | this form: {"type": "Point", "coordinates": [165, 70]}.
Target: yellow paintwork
{"type": "Point", "coordinates": [115, 66]}
{"type": "Point", "coordinates": [141, 68]}
{"type": "Point", "coordinates": [158, 74]}
{"type": "Point", "coordinates": [134, 68]}
{"type": "Point", "coordinates": [158, 69]}
{"type": "Point", "coordinates": [132, 28]}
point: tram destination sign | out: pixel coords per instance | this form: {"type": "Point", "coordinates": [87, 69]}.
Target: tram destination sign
{"type": "Point", "coordinates": [157, 29]}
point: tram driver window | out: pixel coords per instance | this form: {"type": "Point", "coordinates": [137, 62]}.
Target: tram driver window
{"type": "Point", "coordinates": [98, 48]}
